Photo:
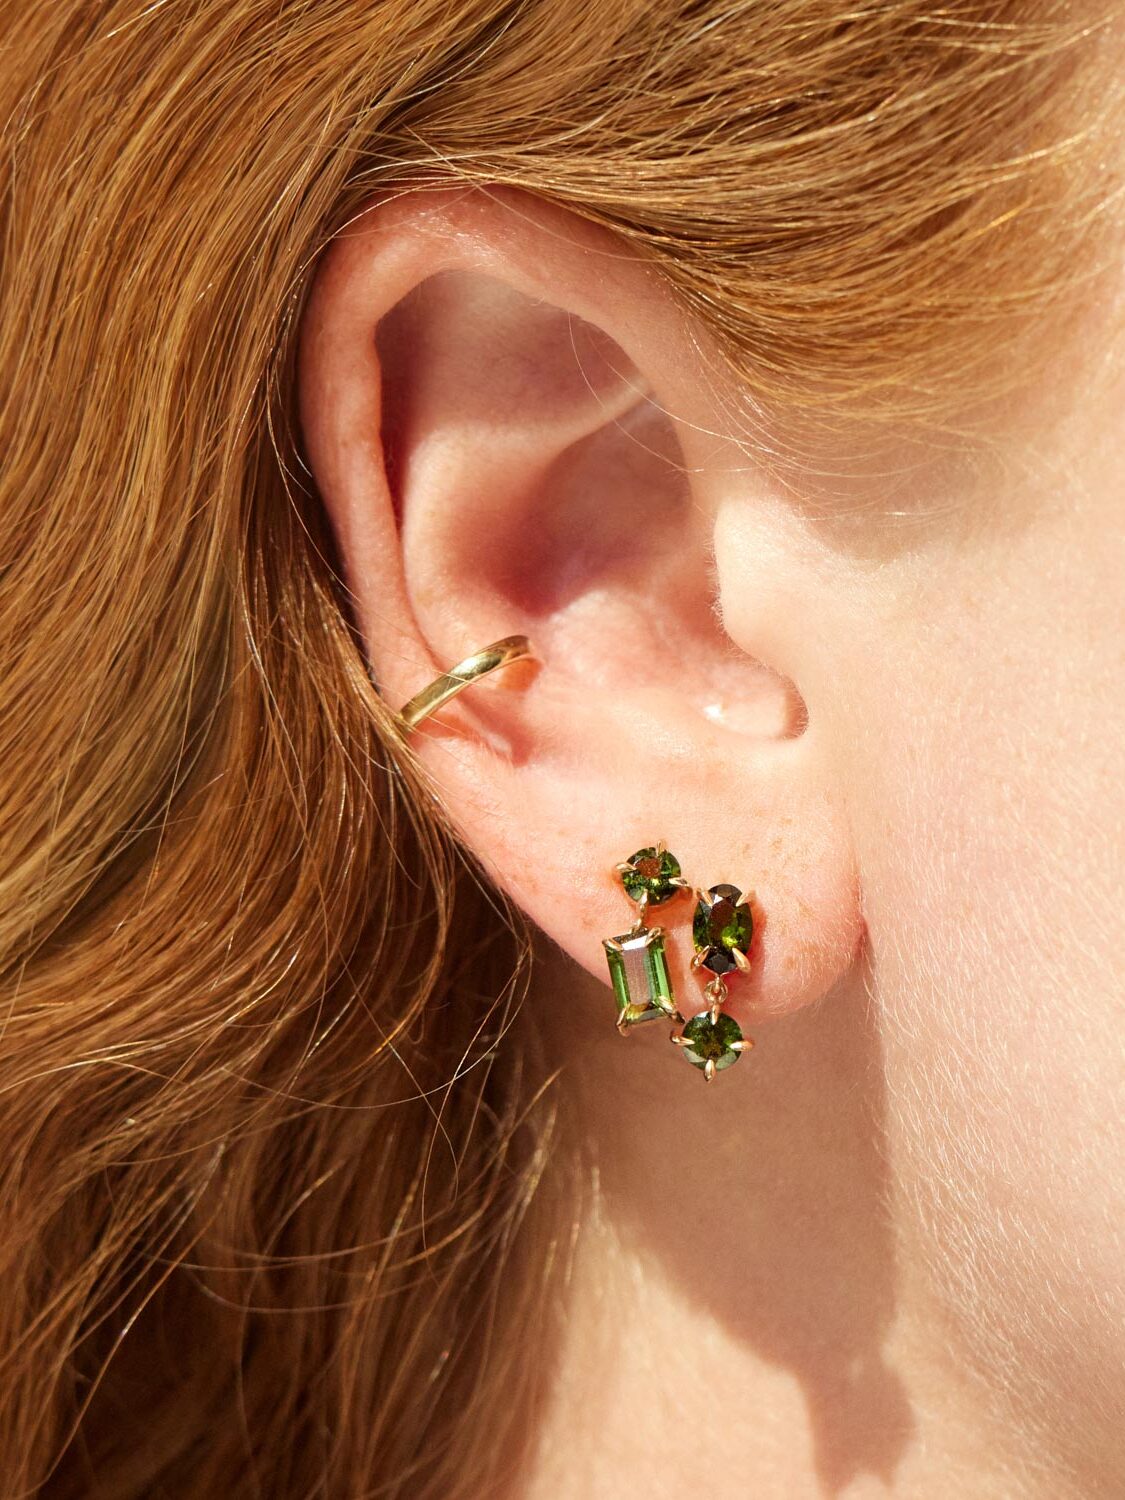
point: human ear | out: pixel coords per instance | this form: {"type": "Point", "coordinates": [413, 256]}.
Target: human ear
{"type": "Point", "coordinates": [507, 419]}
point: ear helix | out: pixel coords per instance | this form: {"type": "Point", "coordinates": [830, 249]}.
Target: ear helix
{"type": "Point", "coordinates": [722, 930]}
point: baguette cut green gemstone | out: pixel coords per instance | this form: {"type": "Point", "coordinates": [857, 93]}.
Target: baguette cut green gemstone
{"type": "Point", "coordinates": [652, 873]}
{"type": "Point", "coordinates": [722, 921]}
{"type": "Point", "coordinates": [710, 1041]}
{"type": "Point", "coordinates": [638, 971]}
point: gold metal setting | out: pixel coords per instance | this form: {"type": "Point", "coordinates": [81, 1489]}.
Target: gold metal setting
{"type": "Point", "coordinates": [502, 653]}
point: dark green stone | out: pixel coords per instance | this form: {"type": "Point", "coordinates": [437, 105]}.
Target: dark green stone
{"type": "Point", "coordinates": [653, 873]}
{"type": "Point", "coordinates": [710, 1041]}
{"type": "Point", "coordinates": [722, 922]}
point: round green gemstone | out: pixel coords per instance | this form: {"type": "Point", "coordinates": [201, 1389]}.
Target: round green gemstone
{"type": "Point", "coordinates": [722, 922]}
{"type": "Point", "coordinates": [711, 1041]}
{"type": "Point", "coordinates": [652, 872]}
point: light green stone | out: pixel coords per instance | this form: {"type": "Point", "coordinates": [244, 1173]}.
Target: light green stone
{"type": "Point", "coordinates": [638, 972]}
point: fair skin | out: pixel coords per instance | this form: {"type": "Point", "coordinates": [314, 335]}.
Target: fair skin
{"type": "Point", "coordinates": [883, 1254]}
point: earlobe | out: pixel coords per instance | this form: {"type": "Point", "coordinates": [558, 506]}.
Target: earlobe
{"type": "Point", "coordinates": [486, 395]}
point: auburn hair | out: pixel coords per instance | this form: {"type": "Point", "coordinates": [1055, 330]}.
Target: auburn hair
{"type": "Point", "coordinates": [280, 1152]}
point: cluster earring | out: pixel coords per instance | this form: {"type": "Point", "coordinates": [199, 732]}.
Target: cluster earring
{"type": "Point", "coordinates": [722, 929]}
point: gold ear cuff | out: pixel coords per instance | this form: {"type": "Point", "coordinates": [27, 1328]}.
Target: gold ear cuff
{"type": "Point", "coordinates": [503, 653]}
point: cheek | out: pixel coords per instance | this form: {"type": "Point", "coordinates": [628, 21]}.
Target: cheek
{"type": "Point", "coordinates": [987, 803]}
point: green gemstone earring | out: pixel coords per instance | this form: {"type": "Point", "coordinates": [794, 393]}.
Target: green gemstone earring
{"type": "Point", "coordinates": [638, 968]}
{"type": "Point", "coordinates": [721, 932]}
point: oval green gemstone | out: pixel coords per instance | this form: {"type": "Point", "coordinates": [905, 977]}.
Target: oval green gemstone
{"type": "Point", "coordinates": [651, 872]}
{"type": "Point", "coordinates": [722, 921]}
{"type": "Point", "coordinates": [711, 1041]}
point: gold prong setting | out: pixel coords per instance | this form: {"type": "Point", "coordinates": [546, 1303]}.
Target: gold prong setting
{"type": "Point", "coordinates": [722, 929]}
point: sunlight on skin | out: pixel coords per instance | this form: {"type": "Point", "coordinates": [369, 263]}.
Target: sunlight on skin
{"type": "Point", "coordinates": [817, 1275]}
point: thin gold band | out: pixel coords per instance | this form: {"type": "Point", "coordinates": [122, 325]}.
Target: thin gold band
{"type": "Point", "coordinates": [464, 674]}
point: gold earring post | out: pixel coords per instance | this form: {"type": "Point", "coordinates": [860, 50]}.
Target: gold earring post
{"type": "Point", "coordinates": [502, 653]}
